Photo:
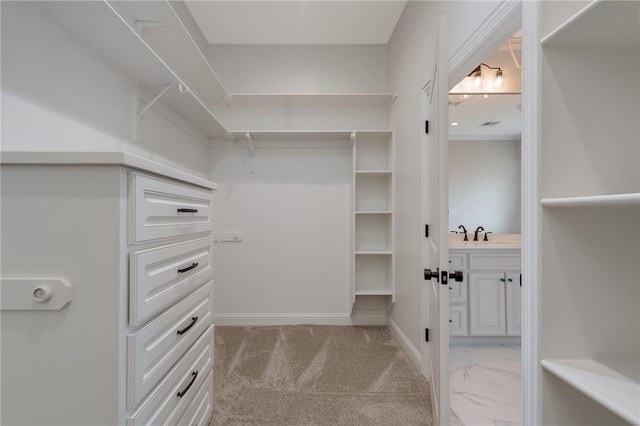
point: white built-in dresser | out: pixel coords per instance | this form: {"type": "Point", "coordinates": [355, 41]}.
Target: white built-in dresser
{"type": "Point", "coordinates": [106, 269]}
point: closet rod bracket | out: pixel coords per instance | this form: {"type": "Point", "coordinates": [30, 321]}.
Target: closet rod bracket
{"type": "Point", "coordinates": [181, 88]}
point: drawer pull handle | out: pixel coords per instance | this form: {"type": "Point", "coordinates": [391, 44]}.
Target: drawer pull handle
{"type": "Point", "coordinates": [187, 210]}
{"type": "Point", "coordinates": [184, 330]}
{"type": "Point", "coordinates": [184, 392]}
{"type": "Point", "coordinates": [188, 268]}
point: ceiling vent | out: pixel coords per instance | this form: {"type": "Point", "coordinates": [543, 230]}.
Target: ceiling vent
{"type": "Point", "coordinates": [489, 123]}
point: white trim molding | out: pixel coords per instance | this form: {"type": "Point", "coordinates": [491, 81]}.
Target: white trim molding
{"type": "Point", "coordinates": [531, 397]}
{"type": "Point", "coordinates": [501, 24]}
{"type": "Point", "coordinates": [411, 351]}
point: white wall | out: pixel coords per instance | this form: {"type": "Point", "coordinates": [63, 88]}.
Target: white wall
{"type": "Point", "coordinates": [294, 212]}
{"type": "Point", "coordinates": [410, 59]}
{"type": "Point", "coordinates": [57, 95]}
{"type": "Point", "coordinates": [484, 185]}
{"type": "Point", "coordinates": [300, 69]}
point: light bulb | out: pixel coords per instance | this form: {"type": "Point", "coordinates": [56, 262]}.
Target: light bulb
{"type": "Point", "coordinates": [499, 81]}
{"type": "Point", "coordinates": [477, 80]}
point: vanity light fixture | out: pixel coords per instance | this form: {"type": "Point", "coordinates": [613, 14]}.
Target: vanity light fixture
{"type": "Point", "coordinates": [465, 96]}
{"type": "Point", "coordinates": [476, 76]}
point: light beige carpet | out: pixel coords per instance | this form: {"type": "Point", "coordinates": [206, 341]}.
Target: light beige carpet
{"type": "Point", "coordinates": [315, 375]}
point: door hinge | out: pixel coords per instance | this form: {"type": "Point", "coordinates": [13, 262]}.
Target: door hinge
{"type": "Point", "coordinates": [426, 231]}
{"type": "Point", "coordinates": [426, 334]}
{"type": "Point", "coordinates": [426, 126]}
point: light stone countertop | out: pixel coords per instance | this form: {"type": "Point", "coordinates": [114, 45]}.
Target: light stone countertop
{"type": "Point", "coordinates": [496, 241]}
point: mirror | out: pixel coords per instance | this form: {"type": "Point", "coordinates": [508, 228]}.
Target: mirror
{"type": "Point", "coordinates": [484, 162]}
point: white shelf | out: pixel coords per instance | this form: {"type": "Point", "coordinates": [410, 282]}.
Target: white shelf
{"type": "Point", "coordinates": [618, 393]}
{"type": "Point", "coordinates": [309, 99]}
{"type": "Point", "coordinates": [373, 252]}
{"type": "Point", "coordinates": [374, 172]}
{"type": "Point", "coordinates": [84, 158]}
{"type": "Point", "coordinates": [173, 42]}
{"type": "Point", "coordinates": [632, 199]}
{"type": "Point", "coordinates": [108, 33]}
{"type": "Point", "coordinates": [599, 24]}
{"type": "Point", "coordinates": [290, 134]}
{"type": "Point", "coordinates": [374, 293]}
{"type": "Point", "coordinates": [373, 212]}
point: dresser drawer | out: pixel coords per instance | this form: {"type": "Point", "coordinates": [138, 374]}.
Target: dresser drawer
{"type": "Point", "coordinates": [152, 351]}
{"type": "Point", "coordinates": [198, 413]}
{"type": "Point", "coordinates": [162, 209]}
{"type": "Point", "coordinates": [160, 277]}
{"type": "Point", "coordinates": [176, 391]}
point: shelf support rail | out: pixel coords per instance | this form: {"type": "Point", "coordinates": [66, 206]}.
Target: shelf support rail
{"type": "Point", "coordinates": [140, 24]}
{"type": "Point", "coordinates": [251, 153]}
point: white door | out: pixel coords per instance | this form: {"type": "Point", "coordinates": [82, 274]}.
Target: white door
{"type": "Point", "coordinates": [435, 204]}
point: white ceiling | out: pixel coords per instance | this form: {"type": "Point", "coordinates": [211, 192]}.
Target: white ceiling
{"type": "Point", "coordinates": [474, 112]}
{"type": "Point", "coordinates": [297, 22]}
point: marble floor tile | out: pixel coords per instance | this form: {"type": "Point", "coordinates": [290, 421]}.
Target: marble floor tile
{"type": "Point", "coordinates": [485, 384]}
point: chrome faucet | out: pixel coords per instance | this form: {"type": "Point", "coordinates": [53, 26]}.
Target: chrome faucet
{"type": "Point", "coordinates": [465, 232]}
{"type": "Point", "coordinates": [475, 235]}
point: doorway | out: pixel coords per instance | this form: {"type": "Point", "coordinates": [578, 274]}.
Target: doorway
{"type": "Point", "coordinates": [485, 223]}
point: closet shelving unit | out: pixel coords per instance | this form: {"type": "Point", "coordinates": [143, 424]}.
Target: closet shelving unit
{"type": "Point", "coordinates": [589, 219]}
{"type": "Point", "coordinates": [110, 29]}
{"type": "Point", "coordinates": [373, 209]}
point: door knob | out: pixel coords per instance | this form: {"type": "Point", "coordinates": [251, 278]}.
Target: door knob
{"type": "Point", "coordinates": [428, 274]}
{"type": "Point", "coordinates": [456, 276]}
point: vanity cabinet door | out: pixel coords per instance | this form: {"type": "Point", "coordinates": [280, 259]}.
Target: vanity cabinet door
{"type": "Point", "coordinates": [514, 304]}
{"type": "Point", "coordinates": [487, 303]}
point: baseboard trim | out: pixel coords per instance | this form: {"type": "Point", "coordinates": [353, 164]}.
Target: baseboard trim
{"type": "Point", "coordinates": [414, 355]}
{"type": "Point", "coordinates": [296, 319]}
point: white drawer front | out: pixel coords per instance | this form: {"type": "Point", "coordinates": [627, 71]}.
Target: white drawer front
{"type": "Point", "coordinates": [457, 261]}
{"type": "Point", "coordinates": [162, 276]}
{"type": "Point", "coordinates": [499, 261]}
{"type": "Point", "coordinates": [152, 351]}
{"type": "Point", "coordinates": [164, 209]}
{"type": "Point", "coordinates": [198, 413]}
{"type": "Point", "coordinates": [458, 321]}
{"type": "Point", "coordinates": [176, 391]}
{"type": "Point", "coordinates": [458, 290]}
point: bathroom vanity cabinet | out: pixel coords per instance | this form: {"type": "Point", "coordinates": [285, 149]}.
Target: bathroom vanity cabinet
{"type": "Point", "coordinates": [488, 301]}
{"type": "Point", "coordinates": [106, 291]}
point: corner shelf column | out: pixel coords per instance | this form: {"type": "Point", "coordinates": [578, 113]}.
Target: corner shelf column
{"type": "Point", "coordinates": [373, 215]}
